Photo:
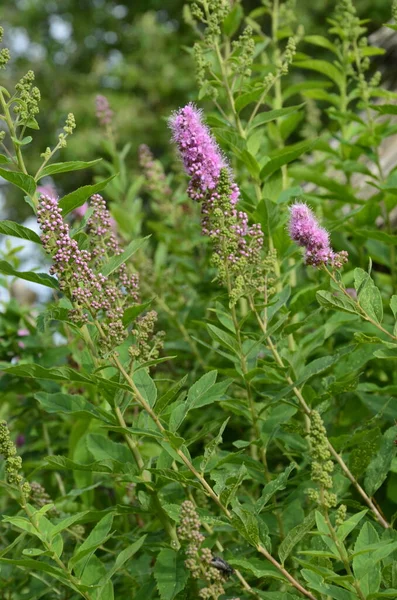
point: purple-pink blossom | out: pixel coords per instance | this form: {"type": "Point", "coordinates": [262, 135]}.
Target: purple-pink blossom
{"type": "Point", "coordinates": [201, 155]}
{"type": "Point", "coordinates": [305, 230]}
{"type": "Point", "coordinates": [103, 111]}
{"type": "Point", "coordinates": [211, 183]}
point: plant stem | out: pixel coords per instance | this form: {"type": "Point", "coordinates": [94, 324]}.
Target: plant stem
{"type": "Point", "coordinates": [306, 409]}
{"type": "Point", "coordinates": [202, 480]}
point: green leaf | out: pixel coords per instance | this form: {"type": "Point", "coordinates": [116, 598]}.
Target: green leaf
{"type": "Point", "coordinates": [294, 536]}
{"type": "Point", "coordinates": [132, 312]}
{"type": "Point", "coordinates": [379, 466]}
{"type": "Point", "coordinates": [41, 278]}
{"type": "Point", "coordinates": [343, 530]}
{"type": "Point", "coordinates": [39, 372]}
{"type": "Point", "coordinates": [146, 386]}
{"type": "Point", "coordinates": [206, 391]}
{"type": "Point", "coordinates": [122, 557]}
{"type": "Point", "coordinates": [246, 523]}
{"type": "Point", "coordinates": [96, 538]}
{"type": "Point", "coordinates": [68, 522]}
{"type": "Point", "coordinates": [78, 197]}
{"type": "Point", "coordinates": [284, 156]}
{"type": "Point", "coordinates": [366, 571]}
{"type": "Point", "coordinates": [102, 448]}
{"type": "Point", "coordinates": [324, 67]}
{"type": "Point", "coordinates": [19, 231]}
{"type": "Point", "coordinates": [316, 582]}
{"type": "Point", "coordinates": [21, 180]}
{"type": "Point", "coordinates": [259, 568]}
{"type": "Point", "coordinates": [116, 261]}
{"type": "Point", "coordinates": [65, 167]}
{"type": "Point", "coordinates": [369, 296]}
{"type": "Point", "coordinates": [37, 566]}
{"type": "Point", "coordinates": [274, 486]}
{"type": "Point", "coordinates": [272, 115]}
{"type": "Point", "coordinates": [170, 573]}
{"type": "Point", "coordinates": [210, 448]}
{"type": "Point", "coordinates": [338, 302]}
{"type": "Point", "coordinates": [315, 367]}
{"type": "Point", "coordinates": [244, 99]}
{"type": "Point", "coordinates": [70, 404]}
{"type": "Point", "coordinates": [385, 109]}
{"type": "Point", "coordinates": [223, 338]}
{"type": "Point", "coordinates": [322, 42]}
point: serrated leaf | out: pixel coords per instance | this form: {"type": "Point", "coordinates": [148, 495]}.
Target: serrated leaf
{"type": "Point", "coordinates": [379, 466]}
{"type": "Point", "coordinates": [69, 404]}
{"type": "Point", "coordinates": [246, 523]}
{"type": "Point", "coordinates": [41, 278]}
{"type": "Point", "coordinates": [170, 573]}
{"type": "Point", "coordinates": [19, 231]}
{"type": "Point", "coordinates": [22, 180]}
{"type": "Point", "coordinates": [272, 487]}
{"type": "Point", "coordinates": [365, 570]}
{"type": "Point", "coordinates": [225, 339]}
{"type": "Point", "coordinates": [116, 261]}
{"type": "Point", "coordinates": [65, 167]}
{"type": "Point", "coordinates": [146, 386]}
{"type": "Point", "coordinates": [338, 302]}
{"type": "Point", "coordinates": [78, 197]}
{"type": "Point", "coordinates": [294, 536]}
{"type": "Point", "coordinates": [368, 295]}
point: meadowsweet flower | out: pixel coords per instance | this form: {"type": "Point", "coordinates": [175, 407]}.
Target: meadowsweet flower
{"type": "Point", "coordinates": [103, 111]}
{"type": "Point", "coordinates": [155, 180]}
{"type": "Point", "coordinates": [201, 155]}
{"type": "Point", "coordinates": [78, 271]}
{"type": "Point", "coordinates": [237, 245]}
{"type": "Point", "coordinates": [305, 230]}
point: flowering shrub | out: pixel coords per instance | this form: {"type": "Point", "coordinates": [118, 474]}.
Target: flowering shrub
{"type": "Point", "coordinates": [196, 409]}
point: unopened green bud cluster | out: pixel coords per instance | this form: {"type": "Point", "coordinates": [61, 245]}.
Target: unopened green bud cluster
{"type": "Point", "coordinates": [199, 559]}
{"type": "Point", "coordinates": [244, 49]}
{"type": "Point", "coordinates": [29, 97]}
{"type": "Point", "coordinates": [322, 465]}
{"type": "Point", "coordinates": [13, 462]}
{"type": "Point", "coordinates": [147, 344]}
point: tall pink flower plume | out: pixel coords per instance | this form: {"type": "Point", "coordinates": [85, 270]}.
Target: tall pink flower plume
{"type": "Point", "coordinates": [201, 155]}
{"type": "Point", "coordinates": [305, 230]}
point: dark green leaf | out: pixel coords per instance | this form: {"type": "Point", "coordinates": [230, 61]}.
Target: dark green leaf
{"type": "Point", "coordinates": [115, 262]}
{"type": "Point", "coordinates": [78, 197]}
{"type": "Point", "coordinates": [65, 167]}
{"type": "Point", "coordinates": [170, 573]}
{"type": "Point", "coordinates": [41, 278]}
{"type": "Point", "coordinates": [21, 180]}
{"type": "Point", "coordinates": [19, 231]}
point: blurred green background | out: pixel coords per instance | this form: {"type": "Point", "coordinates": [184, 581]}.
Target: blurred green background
{"type": "Point", "coordinates": [136, 53]}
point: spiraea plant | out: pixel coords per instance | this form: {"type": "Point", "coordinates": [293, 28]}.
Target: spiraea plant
{"type": "Point", "coordinates": [208, 411]}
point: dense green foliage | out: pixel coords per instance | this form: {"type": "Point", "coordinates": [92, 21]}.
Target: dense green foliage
{"type": "Point", "coordinates": [184, 415]}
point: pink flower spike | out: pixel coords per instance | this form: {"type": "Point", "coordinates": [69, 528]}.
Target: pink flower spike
{"type": "Point", "coordinates": [305, 230]}
{"type": "Point", "coordinates": [201, 155]}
